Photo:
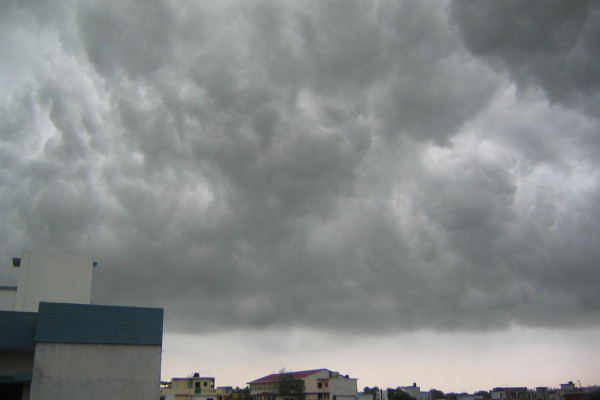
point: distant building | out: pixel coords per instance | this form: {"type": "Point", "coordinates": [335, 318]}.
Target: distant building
{"type": "Point", "coordinates": [381, 394]}
{"type": "Point", "coordinates": [569, 391]}
{"type": "Point", "coordinates": [510, 393]}
{"type": "Point", "coordinates": [416, 393]}
{"type": "Point", "coordinates": [569, 386]}
{"type": "Point", "coordinates": [54, 345]}
{"type": "Point", "coordinates": [319, 384]}
{"type": "Point", "coordinates": [541, 393]}
{"type": "Point", "coordinates": [194, 387]}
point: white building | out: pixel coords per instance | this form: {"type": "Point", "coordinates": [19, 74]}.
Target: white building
{"type": "Point", "coordinates": [381, 394]}
{"type": "Point", "coordinates": [50, 277]}
{"type": "Point", "coordinates": [415, 392]}
{"type": "Point", "coordinates": [54, 345]}
{"type": "Point", "coordinates": [510, 393]}
{"type": "Point", "coordinates": [319, 384]}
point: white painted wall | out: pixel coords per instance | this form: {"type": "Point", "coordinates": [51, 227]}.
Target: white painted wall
{"type": "Point", "coordinates": [7, 298]}
{"type": "Point", "coordinates": [53, 277]}
{"type": "Point", "coordinates": [415, 391]}
{"type": "Point", "coordinates": [381, 394]}
{"type": "Point", "coordinates": [96, 372]}
{"type": "Point", "coordinates": [311, 382]}
{"type": "Point", "coordinates": [343, 386]}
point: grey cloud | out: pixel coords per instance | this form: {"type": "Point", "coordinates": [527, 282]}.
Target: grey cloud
{"type": "Point", "coordinates": [127, 36]}
{"type": "Point", "coordinates": [341, 166]}
{"type": "Point", "coordinates": [552, 44]}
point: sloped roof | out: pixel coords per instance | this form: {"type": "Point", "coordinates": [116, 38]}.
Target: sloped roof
{"type": "Point", "coordinates": [80, 323]}
{"type": "Point", "coordinates": [86, 323]}
{"type": "Point", "coordinates": [18, 329]}
{"type": "Point", "coordinates": [296, 374]}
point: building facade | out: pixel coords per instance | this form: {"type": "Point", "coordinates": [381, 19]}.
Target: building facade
{"type": "Point", "coordinates": [54, 347]}
{"type": "Point", "coordinates": [194, 387]}
{"type": "Point", "coordinates": [416, 393]}
{"type": "Point", "coordinates": [510, 393]}
{"type": "Point", "coordinates": [319, 384]}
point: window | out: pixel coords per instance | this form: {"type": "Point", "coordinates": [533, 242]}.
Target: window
{"type": "Point", "coordinates": [320, 385]}
{"type": "Point", "coordinates": [190, 383]}
{"type": "Point", "coordinates": [205, 383]}
{"type": "Point", "coordinates": [326, 384]}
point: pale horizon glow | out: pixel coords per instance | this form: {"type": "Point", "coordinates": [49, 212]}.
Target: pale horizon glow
{"type": "Point", "coordinates": [452, 362]}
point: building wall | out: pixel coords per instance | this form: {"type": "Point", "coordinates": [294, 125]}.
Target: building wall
{"type": "Point", "coordinates": [8, 296]}
{"type": "Point", "coordinates": [343, 387]}
{"type": "Point", "coordinates": [381, 394]}
{"type": "Point", "coordinates": [53, 277]}
{"type": "Point", "coordinates": [332, 383]}
{"type": "Point", "coordinates": [202, 387]}
{"type": "Point", "coordinates": [13, 363]}
{"type": "Point", "coordinates": [511, 393]}
{"type": "Point", "coordinates": [311, 382]}
{"type": "Point", "coordinates": [415, 392]}
{"type": "Point", "coordinates": [333, 386]}
{"type": "Point", "coordinates": [269, 387]}
{"type": "Point", "coordinates": [96, 372]}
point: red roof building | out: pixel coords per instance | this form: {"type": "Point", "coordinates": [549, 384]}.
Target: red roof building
{"type": "Point", "coordinates": [319, 384]}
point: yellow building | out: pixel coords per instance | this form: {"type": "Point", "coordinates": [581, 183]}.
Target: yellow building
{"type": "Point", "coordinates": [194, 387]}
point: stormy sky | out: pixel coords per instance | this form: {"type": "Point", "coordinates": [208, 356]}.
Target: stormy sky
{"type": "Point", "coordinates": [393, 180]}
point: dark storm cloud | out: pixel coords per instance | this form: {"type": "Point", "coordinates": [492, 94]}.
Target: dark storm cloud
{"type": "Point", "coordinates": [336, 165]}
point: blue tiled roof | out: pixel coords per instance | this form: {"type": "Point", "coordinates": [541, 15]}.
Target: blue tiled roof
{"type": "Point", "coordinates": [85, 323]}
{"type": "Point", "coordinates": [19, 377]}
{"type": "Point", "coordinates": [17, 330]}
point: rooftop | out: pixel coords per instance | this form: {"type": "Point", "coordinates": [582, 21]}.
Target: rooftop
{"type": "Point", "coordinates": [297, 375]}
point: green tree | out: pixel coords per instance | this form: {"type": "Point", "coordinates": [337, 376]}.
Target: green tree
{"type": "Point", "coordinates": [371, 391]}
{"type": "Point", "coordinates": [437, 394]}
{"type": "Point", "coordinates": [289, 387]}
{"type": "Point", "coordinates": [486, 395]}
{"type": "Point", "coordinates": [399, 394]}
{"type": "Point", "coordinates": [243, 392]}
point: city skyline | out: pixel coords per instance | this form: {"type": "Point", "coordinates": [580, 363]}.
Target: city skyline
{"type": "Point", "coordinates": [464, 361]}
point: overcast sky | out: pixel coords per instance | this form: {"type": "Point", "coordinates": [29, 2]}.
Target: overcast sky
{"type": "Point", "coordinates": [400, 191]}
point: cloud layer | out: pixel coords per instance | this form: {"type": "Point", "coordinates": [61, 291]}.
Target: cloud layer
{"type": "Point", "coordinates": [365, 166]}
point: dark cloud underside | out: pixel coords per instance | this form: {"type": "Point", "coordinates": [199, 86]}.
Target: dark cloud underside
{"type": "Point", "coordinates": [343, 165]}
